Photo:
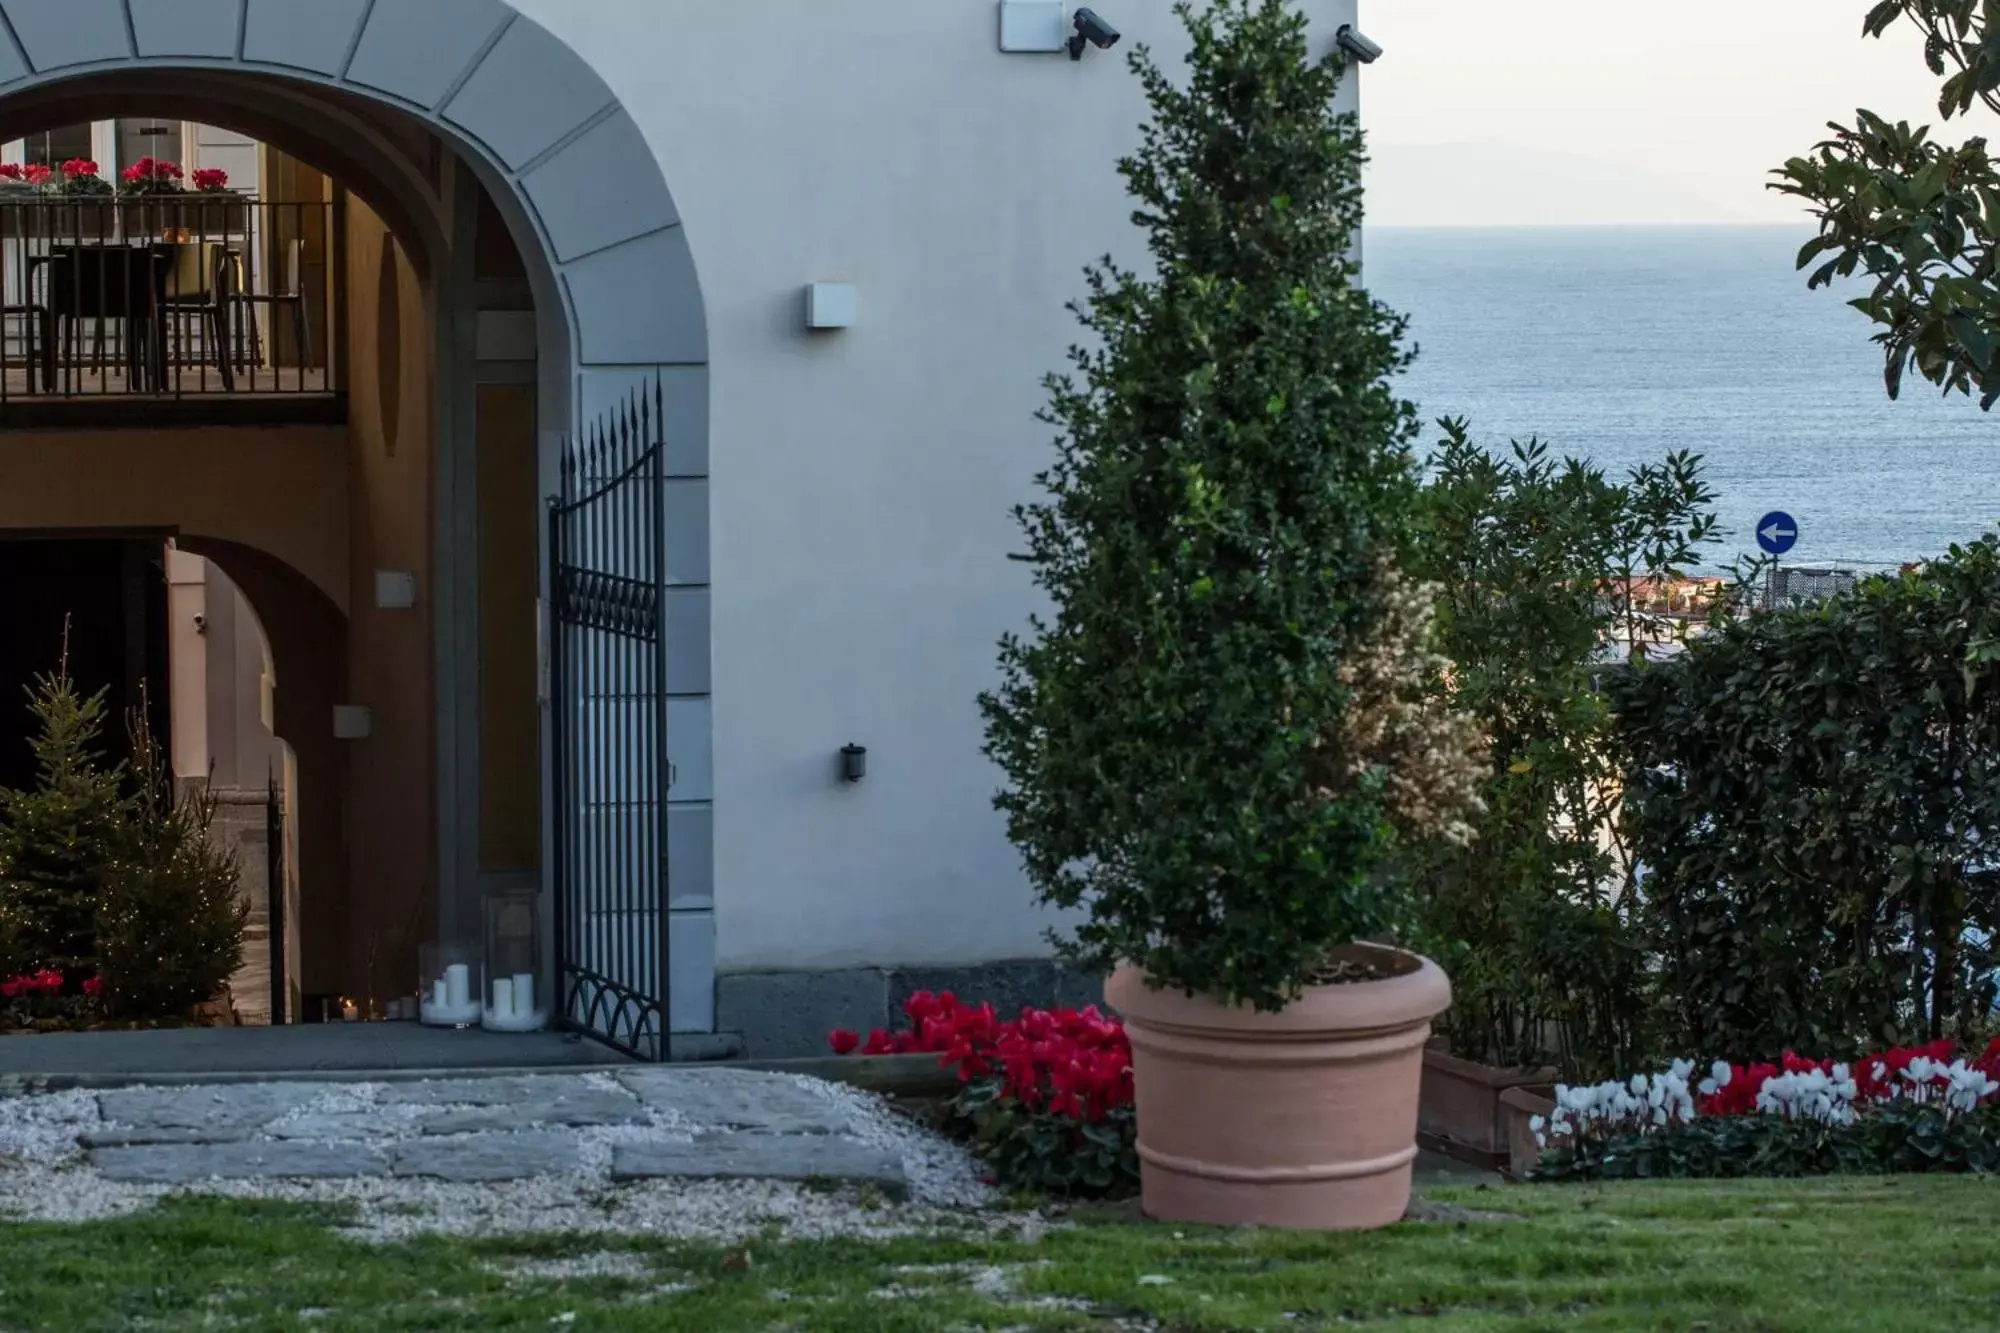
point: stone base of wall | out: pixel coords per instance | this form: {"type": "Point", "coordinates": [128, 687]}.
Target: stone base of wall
{"type": "Point", "coordinates": [784, 1015]}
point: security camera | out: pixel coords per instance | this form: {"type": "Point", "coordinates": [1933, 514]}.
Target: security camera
{"type": "Point", "coordinates": [1356, 45]}
{"type": "Point", "coordinates": [1091, 30]}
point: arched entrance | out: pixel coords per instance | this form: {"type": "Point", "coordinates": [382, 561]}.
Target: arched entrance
{"type": "Point", "coordinates": [358, 87]}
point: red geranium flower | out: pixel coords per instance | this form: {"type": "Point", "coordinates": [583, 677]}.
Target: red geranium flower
{"type": "Point", "coordinates": [843, 1041]}
{"type": "Point", "coordinates": [94, 986]}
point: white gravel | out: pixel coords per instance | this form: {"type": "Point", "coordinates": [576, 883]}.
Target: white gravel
{"type": "Point", "coordinates": [43, 1176]}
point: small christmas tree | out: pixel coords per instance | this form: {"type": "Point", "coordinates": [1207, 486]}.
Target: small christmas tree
{"type": "Point", "coordinates": [170, 920]}
{"type": "Point", "coordinates": [56, 839]}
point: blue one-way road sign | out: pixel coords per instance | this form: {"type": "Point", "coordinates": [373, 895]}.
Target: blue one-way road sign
{"type": "Point", "coordinates": [1777, 533]}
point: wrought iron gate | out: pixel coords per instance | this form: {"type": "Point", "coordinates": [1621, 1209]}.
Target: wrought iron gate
{"type": "Point", "coordinates": [275, 872]}
{"type": "Point", "coordinates": [608, 692]}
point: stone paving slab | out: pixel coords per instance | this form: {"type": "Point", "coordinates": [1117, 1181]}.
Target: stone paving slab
{"type": "Point", "coordinates": [511, 1090]}
{"type": "Point", "coordinates": [487, 1157]}
{"type": "Point", "coordinates": [186, 1164]}
{"type": "Point", "coordinates": [574, 1107]}
{"type": "Point", "coordinates": [214, 1110]}
{"type": "Point", "coordinates": [139, 1138]}
{"type": "Point", "coordinates": [344, 1126]}
{"type": "Point", "coordinates": [717, 1099]}
{"type": "Point", "coordinates": [761, 1157]}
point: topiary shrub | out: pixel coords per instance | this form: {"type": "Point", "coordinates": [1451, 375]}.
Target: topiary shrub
{"type": "Point", "coordinates": [170, 920]}
{"type": "Point", "coordinates": [1219, 540]}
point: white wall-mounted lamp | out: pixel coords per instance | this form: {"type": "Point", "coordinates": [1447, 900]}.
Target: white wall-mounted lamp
{"type": "Point", "coordinates": [1032, 27]}
{"type": "Point", "coordinates": [353, 722]}
{"type": "Point", "coordinates": [831, 305]}
{"type": "Point", "coordinates": [395, 590]}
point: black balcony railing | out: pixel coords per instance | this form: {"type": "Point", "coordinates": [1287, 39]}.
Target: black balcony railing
{"type": "Point", "coordinates": [163, 297]}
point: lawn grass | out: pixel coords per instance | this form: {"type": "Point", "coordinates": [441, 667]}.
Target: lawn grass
{"type": "Point", "coordinates": [1916, 1253]}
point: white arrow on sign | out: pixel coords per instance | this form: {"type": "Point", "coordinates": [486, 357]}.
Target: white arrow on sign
{"type": "Point", "coordinates": [1775, 533]}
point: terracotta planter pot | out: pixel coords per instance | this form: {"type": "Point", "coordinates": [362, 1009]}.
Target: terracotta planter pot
{"type": "Point", "coordinates": [1460, 1113]}
{"type": "Point", "coordinates": [1518, 1107]}
{"type": "Point", "coordinates": [1306, 1118]}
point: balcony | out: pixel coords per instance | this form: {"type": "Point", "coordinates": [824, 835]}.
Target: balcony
{"type": "Point", "coordinates": [167, 310]}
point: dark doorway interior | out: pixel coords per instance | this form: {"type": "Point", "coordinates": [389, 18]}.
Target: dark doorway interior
{"type": "Point", "coordinates": [113, 591]}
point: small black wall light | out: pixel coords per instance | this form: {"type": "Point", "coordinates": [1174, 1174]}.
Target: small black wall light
{"type": "Point", "coordinates": [853, 762]}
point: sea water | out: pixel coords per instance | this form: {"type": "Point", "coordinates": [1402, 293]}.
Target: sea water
{"type": "Point", "coordinates": [1624, 344]}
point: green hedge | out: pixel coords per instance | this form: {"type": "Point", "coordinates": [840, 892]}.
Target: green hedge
{"type": "Point", "coordinates": [1811, 791]}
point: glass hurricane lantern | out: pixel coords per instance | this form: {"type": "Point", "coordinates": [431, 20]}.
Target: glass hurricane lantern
{"type": "Point", "coordinates": [513, 999]}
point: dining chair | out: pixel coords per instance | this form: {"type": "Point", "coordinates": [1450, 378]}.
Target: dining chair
{"type": "Point", "coordinates": [201, 287]}
{"type": "Point", "coordinates": [38, 332]}
{"type": "Point", "coordinates": [291, 297]}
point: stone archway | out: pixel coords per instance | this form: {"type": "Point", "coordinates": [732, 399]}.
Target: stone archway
{"type": "Point", "coordinates": [618, 295]}
{"type": "Point", "coordinates": [548, 131]}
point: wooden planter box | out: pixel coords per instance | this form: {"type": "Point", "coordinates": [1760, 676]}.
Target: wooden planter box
{"type": "Point", "coordinates": [1460, 1113]}
{"type": "Point", "coordinates": [213, 216]}
{"type": "Point", "coordinates": [1518, 1107]}
{"type": "Point", "coordinates": [57, 221]}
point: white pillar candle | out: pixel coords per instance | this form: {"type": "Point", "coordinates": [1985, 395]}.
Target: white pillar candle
{"type": "Point", "coordinates": [458, 985]}
{"type": "Point", "coordinates": [439, 995]}
{"type": "Point", "coordinates": [503, 997]}
{"type": "Point", "coordinates": [524, 993]}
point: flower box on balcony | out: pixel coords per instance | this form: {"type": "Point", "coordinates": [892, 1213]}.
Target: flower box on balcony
{"type": "Point", "coordinates": [40, 218]}
{"type": "Point", "coordinates": [214, 215]}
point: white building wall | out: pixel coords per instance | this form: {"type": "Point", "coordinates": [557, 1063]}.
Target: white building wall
{"type": "Point", "coordinates": [861, 480]}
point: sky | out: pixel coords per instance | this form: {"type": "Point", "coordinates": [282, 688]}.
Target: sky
{"type": "Point", "coordinates": [1544, 112]}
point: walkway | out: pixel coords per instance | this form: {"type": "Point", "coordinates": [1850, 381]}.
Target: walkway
{"type": "Point", "coordinates": [644, 1148]}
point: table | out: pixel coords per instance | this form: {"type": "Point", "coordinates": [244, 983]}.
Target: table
{"type": "Point", "coordinates": [140, 286]}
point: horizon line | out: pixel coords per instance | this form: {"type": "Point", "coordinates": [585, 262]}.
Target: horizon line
{"type": "Point", "coordinates": [1713, 224]}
